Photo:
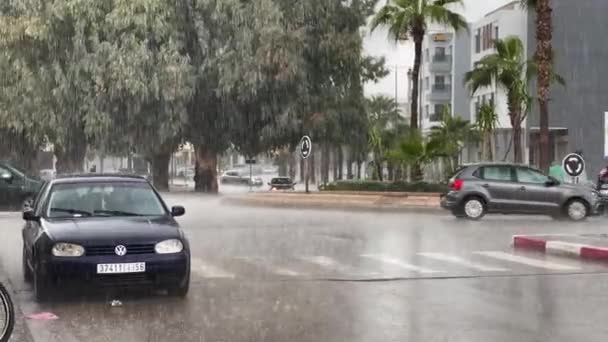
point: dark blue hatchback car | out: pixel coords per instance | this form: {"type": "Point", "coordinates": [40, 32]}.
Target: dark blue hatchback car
{"type": "Point", "coordinates": [103, 230]}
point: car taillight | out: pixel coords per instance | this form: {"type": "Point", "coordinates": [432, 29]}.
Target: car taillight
{"type": "Point", "coordinates": [457, 184]}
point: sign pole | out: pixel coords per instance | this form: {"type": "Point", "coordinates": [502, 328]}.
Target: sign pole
{"type": "Point", "coordinates": [306, 175]}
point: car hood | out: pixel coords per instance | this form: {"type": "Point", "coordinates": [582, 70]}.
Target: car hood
{"type": "Point", "coordinates": [89, 231]}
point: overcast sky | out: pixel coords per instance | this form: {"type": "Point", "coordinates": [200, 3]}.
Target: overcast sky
{"type": "Point", "coordinates": [400, 56]}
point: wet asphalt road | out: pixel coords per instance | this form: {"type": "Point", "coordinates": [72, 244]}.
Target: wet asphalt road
{"type": "Point", "coordinates": [303, 275]}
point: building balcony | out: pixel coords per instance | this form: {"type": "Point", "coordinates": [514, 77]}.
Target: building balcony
{"type": "Point", "coordinates": [436, 117]}
{"type": "Point", "coordinates": [441, 63]}
{"type": "Point", "coordinates": [440, 92]}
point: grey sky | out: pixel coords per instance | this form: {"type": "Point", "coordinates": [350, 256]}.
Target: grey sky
{"type": "Point", "coordinates": [400, 56]}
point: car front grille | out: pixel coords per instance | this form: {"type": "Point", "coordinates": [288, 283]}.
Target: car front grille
{"type": "Point", "coordinates": [109, 250]}
{"type": "Point", "coordinates": [124, 280]}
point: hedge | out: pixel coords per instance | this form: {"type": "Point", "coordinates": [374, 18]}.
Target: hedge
{"type": "Point", "coordinates": [383, 186]}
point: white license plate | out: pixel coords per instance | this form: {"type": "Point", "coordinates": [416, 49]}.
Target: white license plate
{"type": "Point", "coordinates": [133, 267]}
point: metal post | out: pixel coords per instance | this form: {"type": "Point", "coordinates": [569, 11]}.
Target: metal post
{"type": "Point", "coordinates": [306, 175]}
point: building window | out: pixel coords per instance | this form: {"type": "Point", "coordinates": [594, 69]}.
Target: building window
{"type": "Point", "coordinates": [426, 110]}
{"type": "Point", "coordinates": [426, 83]}
{"type": "Point", "coordinates": [492, 100]}
{"type": "Point", "coordinates": [440, 82]}
{"type": "Point", "coordinates": [483, 99]}
{"type": "Point", "coordinates": [477, 106]}
{"type": "Point", "coordinates": [478, 41]}
{"type": "Point", "coordinates": [439, 109]}
{"type": "Point", "coordinates": [426, 54]}
{"type": "Point", "coordinates": [496, 33]}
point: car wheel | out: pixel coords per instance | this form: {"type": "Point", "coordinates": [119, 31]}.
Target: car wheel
{"type": "Point", "coordinates": [473, 208]}
{"type": "Point", "coordinates": [577, 210]}
{"type": "Point", "coordinates": [41, 287]}
{"type": "Point", "coordinates": [180, 290]}
{"type": "Point", "coordinates": [27, 272]}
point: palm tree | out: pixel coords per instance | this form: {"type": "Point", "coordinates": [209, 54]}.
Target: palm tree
{"type": "Point", "coordinates": [414, 150]}
{"type": "Point", "coordinates": [451, 136]}
{"type": "Point", "coordinates": [384, 121]}
{"type": "Point", "coordinates": [507, 68]}
{"type": "Point", "coordinates": [544, 59]}
{"type": "Point", "coordinates": [486, 124]}
{"type": "Point", "coordinates": [410, 18]}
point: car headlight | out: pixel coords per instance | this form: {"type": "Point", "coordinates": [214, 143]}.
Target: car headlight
{"type": "Point", "coordinates": [63, 249]}
{"type": "Point", "coordinates": [169, 246]}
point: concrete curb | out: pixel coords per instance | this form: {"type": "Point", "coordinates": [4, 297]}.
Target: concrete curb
{"type": "Point", "coordinates": [563, 248]}
{"type": "Point", "coordinates": [333, 205]}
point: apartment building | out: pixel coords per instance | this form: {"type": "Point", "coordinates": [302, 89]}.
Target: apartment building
{"type": "Point", "coordinates": [505, 21]}
{"type": "Point", "coordinates": [445, 59]}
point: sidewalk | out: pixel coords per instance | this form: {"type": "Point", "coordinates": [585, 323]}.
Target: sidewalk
{"type": "Point", "coordinates": [329, 200]}
{"type": "Point", "coordinates": [585, 246]}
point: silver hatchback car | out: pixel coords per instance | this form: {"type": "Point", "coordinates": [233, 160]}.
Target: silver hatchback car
{"type": "Point", "coordinates": [478, 189]}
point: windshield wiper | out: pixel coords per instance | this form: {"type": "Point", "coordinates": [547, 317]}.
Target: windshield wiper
{"type": "Point", "coordinates": [72, 211]}
{"type": "Point", "coordinates": [115, 213]}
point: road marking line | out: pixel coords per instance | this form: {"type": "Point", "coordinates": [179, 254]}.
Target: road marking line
{"type": "Point", "coordinates": [463, 262]}
{"type": "Point", "coordinates": [333, 265]}
{"type": "Point", "coordinates": [209, 271]}
{"type": "Point", "coordinates": [265, 263]}
{"type": "Point", "coordinates": [396, 262]}
{"type": "Point", "coordinates": [527, 261]}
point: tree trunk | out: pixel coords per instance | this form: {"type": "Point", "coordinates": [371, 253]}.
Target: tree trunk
{"type": "Point", "coordinates": [160, 170]}
{"type": "Point", "coordinates": [515, 116]}
{"type": "Point", "coordinates": [283, 161]}
{"type": "Point", "coordinates": [340, 163]}
{"type": "Point", "coordinates": [70, 160]}
{"type": "Point", "coordinates": [379, 171]}
{"type": "Point", "coordinates": [391, 173]}
{"type": "Point", "coordinates": [205, 170]}
{"type": "Point", "coordinates": [544, 60]}
{"type": "Point", "coordinates": [418, 38]}
{"type": "Point", "coordinates": [325, 164]}
{"type": "Point", "coordinates": [313, 169]}
{"type": "Point", "coordinates": [359, 166]}
{"type": "Point", "coordinates": [349, 166]}
{"type": "Point", "coordinates": [334, 163]}
{"type": "Point", "coordinates": [292, 165]}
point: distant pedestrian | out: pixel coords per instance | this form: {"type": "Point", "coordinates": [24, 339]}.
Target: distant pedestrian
{"type": "Point", "coordinates": [556, 171]}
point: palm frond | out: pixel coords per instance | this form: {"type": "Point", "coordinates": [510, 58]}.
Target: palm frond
{"type": "Point", "coordinates": [442, 15]}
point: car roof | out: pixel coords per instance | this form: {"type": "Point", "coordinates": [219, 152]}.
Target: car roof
{"type": "Point", "coordinates": [97, 177]}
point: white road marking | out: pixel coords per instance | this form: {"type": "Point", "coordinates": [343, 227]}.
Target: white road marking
{"type": "Point", "coordinates": [209, 271]}
{"type": "Point", "coordinates": [463, 262]}
{"type": "Point", "coordinates": [396, 262]}
{"type": "Point", "coordinates": [527, 261]}
{"type": "Point", "coordinates": [333, 265]}
{"type": "Point", "coordinates": [265, 263]}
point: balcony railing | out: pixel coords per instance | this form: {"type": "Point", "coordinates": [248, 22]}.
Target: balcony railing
{"type": "Point", "coordinates": [436, 117]}
{"type": "Point", "coordinates": [442, 87]}
{"type": "Point", "coordinates": [439, 58]}
{"type": "Point", "coordinates": [441, 63]}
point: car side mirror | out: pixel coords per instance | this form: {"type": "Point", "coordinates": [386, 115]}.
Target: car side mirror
{"type": "Point", "coordinates": [7, 177]}
{"type": "Point", "coordinates": [28, 215]}
{"type": "Point", "coordinates": [178, 211]}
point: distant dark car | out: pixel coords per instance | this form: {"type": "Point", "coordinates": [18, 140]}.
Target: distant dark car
{"type": "Point", "coordinates": [281, 183]}
{"type": "Point", "coordinates": [16, 186]}
{"type": "Point", "coordinates": [240, 177]}
{"type": "Point", "coordinates": [103, 230]}
{"type": "Point", "coordinates": [515, 189]}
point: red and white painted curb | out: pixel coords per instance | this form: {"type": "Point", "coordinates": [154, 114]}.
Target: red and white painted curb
{"type": "Point", "coordinates": [560, 247]}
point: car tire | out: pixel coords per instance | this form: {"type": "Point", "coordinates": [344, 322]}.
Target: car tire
{"type": "Point", "coordinates": [27, 272]}
{"type": "Point", "coordinates": [473, 208]}
{"type": "Point", "coordinates": [41, 286]}
{"type": "Point", "coordinates": [180, 290]}
{"type": "Point", "coordinates": [576, 210]}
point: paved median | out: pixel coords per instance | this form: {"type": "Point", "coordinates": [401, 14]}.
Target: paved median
{"type": "Point", "coordinates": [341, 200]}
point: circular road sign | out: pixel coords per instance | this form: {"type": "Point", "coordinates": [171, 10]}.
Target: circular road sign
{"type": "Point", "coordinates": [305, 147]}
{"type": "Point", "coordinates": [574, 165]}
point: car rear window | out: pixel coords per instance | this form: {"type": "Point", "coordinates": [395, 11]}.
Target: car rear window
{"type": "Point", "coordinates": [497, 173]}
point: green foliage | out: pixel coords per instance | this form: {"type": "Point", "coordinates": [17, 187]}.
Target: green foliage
{"type": "Point", "coordinates": [452, 134]}
{"type": "Point", "coordinates": [413, 149]}
{"type": "Point", "coordinates": [377, 186]}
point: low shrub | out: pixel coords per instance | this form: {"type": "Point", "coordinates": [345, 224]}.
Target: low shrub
{"type": "Point", "coordinates": [378, 186]}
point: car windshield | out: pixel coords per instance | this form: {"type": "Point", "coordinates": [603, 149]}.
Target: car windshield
{"type": "Point", "coordinates": [103, 199]}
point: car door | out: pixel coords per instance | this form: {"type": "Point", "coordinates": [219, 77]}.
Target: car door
{"type": "Point", "coordinates": [535, 196]}
{"type": "Point", "coordinates": [32, 229]}
{"type": "Point", "coordinates": [499, 183]}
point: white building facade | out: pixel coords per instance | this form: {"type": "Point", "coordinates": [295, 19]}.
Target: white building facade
{"type": "Point", "coordinates": [506, 21]}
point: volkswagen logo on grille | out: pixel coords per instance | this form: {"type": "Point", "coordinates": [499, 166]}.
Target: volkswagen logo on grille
{"type": "Point", "coordinates": [120, 250]}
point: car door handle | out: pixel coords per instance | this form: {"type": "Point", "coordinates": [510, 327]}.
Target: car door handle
{"type": "Point", "coordinates": [486, 185]}
{"type": "Point", "coordinates": [522, 188]}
